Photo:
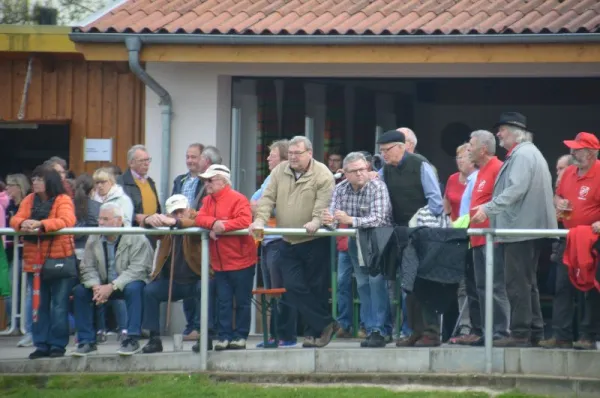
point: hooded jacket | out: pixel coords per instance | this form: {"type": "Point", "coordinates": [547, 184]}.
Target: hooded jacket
{"type": "Point", "coordinates": [228, 253]}
{"type": "Point", "coordinates": [118, 196]}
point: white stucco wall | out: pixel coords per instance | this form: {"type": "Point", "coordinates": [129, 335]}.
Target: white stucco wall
{"type": "Point", "coordinates": [201, 113]}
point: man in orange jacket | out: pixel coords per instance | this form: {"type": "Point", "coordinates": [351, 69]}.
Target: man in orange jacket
{"type": "Point", "coordinates": [232, 258]}
{"type": "Point", "coordinates": [577, 202]}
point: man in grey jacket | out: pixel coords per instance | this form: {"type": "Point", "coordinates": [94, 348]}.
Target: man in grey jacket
{"type": "Point", "coordinates": [113, 267]}
{"type": "Point", "coordinates": [522, 199]}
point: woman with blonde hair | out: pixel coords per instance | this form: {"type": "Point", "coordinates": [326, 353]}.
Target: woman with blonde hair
{"type": "Point", "coordinates": [107, 190]}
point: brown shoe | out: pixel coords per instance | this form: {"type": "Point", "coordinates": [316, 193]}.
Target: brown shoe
{"type": "Point", "coordinates": [326, 335]}
{"type": "Point", "coordinates": [467, 339]}
{"type": "Point", "coordinates": [192, 336]}
{"type": "Point", "coordinates": [508, 342]}
{"type": "Point", "coordinates": [309, 342]}
{"type": "Point", "coordinates": [362, 334]}
{"type": "Point", "coordinates": [408, 341]}
{"type": "Point", "coordinates": [343, 334]}
{"type": "Point", "coordinates": [583, 344]}
{"type": "Point", "coordinates": [428, 341]}
{"type": "Point", "coordinates": [554, 343]}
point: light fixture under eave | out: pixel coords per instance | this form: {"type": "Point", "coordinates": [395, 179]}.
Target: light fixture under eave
{"type": "Point", "coordinates": [19, 126]}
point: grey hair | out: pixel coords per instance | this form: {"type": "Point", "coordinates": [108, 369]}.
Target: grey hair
{"type": "Point", "coordinates": [521, 135]}
{"type": "Point", "coordinates": [133, 149]}
{"type": "Point", "coordinates": [58, 160]}
{"type": "Point", "coordinates": [116, 209]}
{"type": "Point", "coordinates": [486, 139]}
{"type": "Point", "coordinates": [409, 135]}
{"type": "Point", "coordinates": [212, 154]}
{"type": "Point", "coordinates": [302, 139]}
{"type": "Point", "coordinates": [353, 157]}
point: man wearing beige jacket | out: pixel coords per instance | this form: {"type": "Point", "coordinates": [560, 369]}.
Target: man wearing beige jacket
{"type": "Point", "coordinates": [301, 189]}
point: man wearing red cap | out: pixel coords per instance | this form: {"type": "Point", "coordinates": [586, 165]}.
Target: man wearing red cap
{"type": "Point", "coordinates": [577, 202]}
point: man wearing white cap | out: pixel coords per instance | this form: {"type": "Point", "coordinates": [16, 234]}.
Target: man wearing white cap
{"type": "Point", "coordinates": [232, 258]}
{"type": "Point", "coordinates": [177, 272]}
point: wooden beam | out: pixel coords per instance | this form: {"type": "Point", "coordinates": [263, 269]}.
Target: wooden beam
{"type": "Point", "coordinates": [412, 54]}
{"type": "Point", "coordinates": [39, 39]}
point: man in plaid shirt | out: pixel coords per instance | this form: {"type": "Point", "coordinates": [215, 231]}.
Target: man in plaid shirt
{"type": "Point", "coordinates": [364, 203]}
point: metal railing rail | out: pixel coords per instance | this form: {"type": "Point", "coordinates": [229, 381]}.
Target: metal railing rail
{"type": "Point", "coordinates": [489, 267]}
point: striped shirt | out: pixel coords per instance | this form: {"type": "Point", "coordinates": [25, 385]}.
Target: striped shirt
{"type": "Point", "coordinates": [369, 207]}
{"type": "Point", "coordinates": [188, 188]}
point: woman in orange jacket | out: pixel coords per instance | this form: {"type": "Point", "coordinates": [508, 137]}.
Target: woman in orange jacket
{"type": "Point", "coordinates": [47, 209]}
{"type": "Point", "coordinates": [232, 258]}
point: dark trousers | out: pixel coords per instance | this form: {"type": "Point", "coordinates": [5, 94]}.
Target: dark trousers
{"type": "Point", "coordinates": [304, 269]}
{"type": "Point", "coordinates": [520, 267]}
{"type": "Point", "coordinates": [51, 331]}
{"type": "Point", "coordinates": [191, 310]}
{"type": "Point", "coordinates": [133, 294]}
{"type": "Point", "coordinates": [238, 285]}
{"type": "Point", "coordinates": [422, 319]}
{"type": "Point", "coordinates": [501, 307]}
{"type": "Point", "coordinates": [157, 292]}
{"type": "Point", "coordinates": [474, 302]}
{"type": "Point", "coordinates": [287, 317]}
{"type": "Point", "coordinates": [563, 311]}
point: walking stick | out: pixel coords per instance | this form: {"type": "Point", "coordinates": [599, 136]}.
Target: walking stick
{"type": "Point", "coordinates": [171, 281]}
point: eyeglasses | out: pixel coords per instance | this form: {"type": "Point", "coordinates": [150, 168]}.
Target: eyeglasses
{"type": "Point", "coordinates": [297, 153]}
{"type": "Point", "coordinates": [146, 160]}
{"type": "Point", "coordinates": [386, 150]}
{"type": "Point", "coordinates": [37, 179]}
{"type": "Point", "coordinates": [356, 171]}
{"type": "Point", "coordinates": [98, 182]}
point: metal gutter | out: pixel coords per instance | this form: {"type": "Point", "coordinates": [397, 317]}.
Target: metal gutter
{"type": "Point", "coordinates": [240, 39]}
{"type": "Point", "coordinates": [134, 45]}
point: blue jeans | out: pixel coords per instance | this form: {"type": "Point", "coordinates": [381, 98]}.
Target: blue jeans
{"type": "Point", "coordinates": [51, 331]}
{"type": "Point", "coordinates": [373, 294]}
{"type": "Point", "coordinates": [236, 284]}
{"type": "Point", "coordinates": [157, 291]}
{"type": "Point", "coordinates": [119, 309]}
{"type": "Point", "coordinates": [344, 293]}
{"type": "Point", "coordinates": [133, 294]}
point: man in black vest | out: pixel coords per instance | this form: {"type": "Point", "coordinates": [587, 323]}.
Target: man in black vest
{"type": "Point", "coordinates": [412, 184]}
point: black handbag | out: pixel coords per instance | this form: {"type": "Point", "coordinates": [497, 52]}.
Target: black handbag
{"type": "Point", "coordinates": [59, 268]}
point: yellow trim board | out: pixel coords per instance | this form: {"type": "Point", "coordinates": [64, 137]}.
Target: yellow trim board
{"type": "Point", "coordinates": [361, 54]}
{"type": "Point", "coordinates": [39, 39]}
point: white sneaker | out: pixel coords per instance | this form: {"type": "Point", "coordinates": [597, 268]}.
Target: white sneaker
{"type": "Point", "coordinates": [221, 345]}
{"type": "Point", "coordinates": [238, 344]}
{"type": "Point", "coordinates": [26, 341]}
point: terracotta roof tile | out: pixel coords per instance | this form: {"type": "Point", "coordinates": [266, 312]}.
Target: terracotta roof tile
{"type": "Point", "coordinates": [351, 17]}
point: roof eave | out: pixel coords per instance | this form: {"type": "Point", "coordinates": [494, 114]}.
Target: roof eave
{"type": "Point", "coordinates": [324, 40]}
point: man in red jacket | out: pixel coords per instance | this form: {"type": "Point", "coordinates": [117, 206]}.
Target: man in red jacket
{"type": "Point", "coordinates": [482, 153]}
{"type": "Point", "coordinates": [232, 258]}
{"type": "Point", "coordinates": [577, 202]}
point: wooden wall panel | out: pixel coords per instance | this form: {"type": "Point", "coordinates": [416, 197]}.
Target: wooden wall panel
{"type": "Point", "coordinates": [98, 99]}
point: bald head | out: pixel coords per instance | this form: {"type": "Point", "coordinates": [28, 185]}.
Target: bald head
{"type": "Point", "coordinates": [410, 137]}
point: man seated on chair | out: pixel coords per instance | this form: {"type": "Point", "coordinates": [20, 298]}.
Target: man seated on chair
{"type": "Point", "coordinates": [113, 267]}
{"type": "Point", "coordinates": [178, 265]}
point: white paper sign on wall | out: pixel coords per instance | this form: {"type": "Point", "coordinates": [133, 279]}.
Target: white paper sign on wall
{"type": "Point", "coordinates": [97, 150]}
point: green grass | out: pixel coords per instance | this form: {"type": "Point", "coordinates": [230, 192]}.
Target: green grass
{"type": "Point", "coordinates": [184, 385]}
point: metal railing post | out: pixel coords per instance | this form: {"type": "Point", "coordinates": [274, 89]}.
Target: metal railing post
{"type": "Point", "coordinates": [204, 302]}
{"type": "Point", "coordinates": [489, 300]}
{"type": "Point", "coordinates": [23, 306]}
{"type": "Point", "coordinates": [333, 258]}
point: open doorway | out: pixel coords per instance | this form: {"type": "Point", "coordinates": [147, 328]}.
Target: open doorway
{"type": "Point", "coordinates": [28, 144]}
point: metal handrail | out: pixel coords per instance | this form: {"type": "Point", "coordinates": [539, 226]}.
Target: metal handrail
{"type": "Point", "coordinates": [489, 234]}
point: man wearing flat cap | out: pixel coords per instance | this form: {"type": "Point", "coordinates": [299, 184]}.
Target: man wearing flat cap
{"type": "Point", "coordinates": [522, 199]}
{"type": "Point", "coordinates": [577, 203]}
{"type": "Point", "coordinates": [412, 185]}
